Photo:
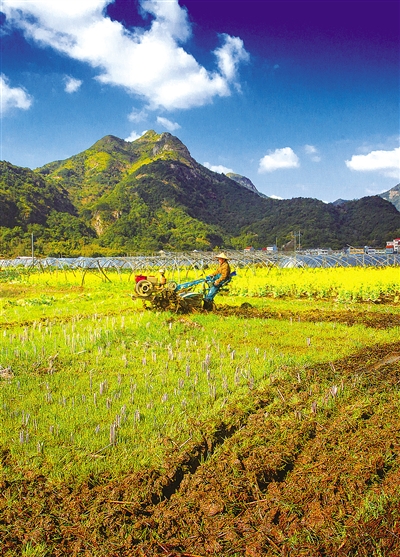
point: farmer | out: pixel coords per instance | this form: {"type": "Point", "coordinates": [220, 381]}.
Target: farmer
{"type": "Point", "coordinates": [223, 271]}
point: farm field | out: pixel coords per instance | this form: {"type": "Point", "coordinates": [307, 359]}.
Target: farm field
{"type": "Point", "coordinates": [268, 427]}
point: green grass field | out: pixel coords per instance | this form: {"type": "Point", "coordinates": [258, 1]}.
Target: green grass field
{"type": "Point", "coordinates": [94, 387]}
{"type": "Point", "coordinates": [97, 381]}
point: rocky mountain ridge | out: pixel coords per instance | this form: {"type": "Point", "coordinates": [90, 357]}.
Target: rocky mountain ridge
{"type": "Point", "coordinates": [245, 182]}
{"type": "Point", "coordinates": [392, 195]}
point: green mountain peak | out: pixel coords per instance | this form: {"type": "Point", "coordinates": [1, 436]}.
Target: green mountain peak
{"type": "Point", "coordinates": [119, 197]}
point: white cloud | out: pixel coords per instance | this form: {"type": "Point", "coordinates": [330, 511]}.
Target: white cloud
{"type": "Point", "coordinates": [150, 62]}
{"type": "Point", "coordinates": [167, 124]}
{"type": "Point", "coordinates": [217, 168]}
{"type": "Point", "coordinates": [278, 159]}
{"type": "Point", "coordinates": [71, 84]}
{"type": "Point", "coordinates": [12, 97]}
{"type": "Point", "coordinates": [137, 115]}
{"type": "Point", "coordinates": [275, 197]}
{"type": "Point", "coordinates": [310, 149]}
{"type": "Point", "coordinates": [313, 152]}
{"type": "Point", "coordinates": [384, 162]}
{"type": "Point", "coordinates": [230, 55]}
{"type": "Point", "coordinates": [134, 136]}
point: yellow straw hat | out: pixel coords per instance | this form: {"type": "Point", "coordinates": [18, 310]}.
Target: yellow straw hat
{"type": "Point", "coordinates": [221, 255]}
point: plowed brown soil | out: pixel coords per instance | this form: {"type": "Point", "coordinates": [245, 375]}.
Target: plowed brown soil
{"type": "Point", "coordinates": [347, 317]}
{"type": "Point", "coordinates": [291, 477]}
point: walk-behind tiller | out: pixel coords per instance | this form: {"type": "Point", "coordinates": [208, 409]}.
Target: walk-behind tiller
{"type": "Point", "coordinates": [180, 298]}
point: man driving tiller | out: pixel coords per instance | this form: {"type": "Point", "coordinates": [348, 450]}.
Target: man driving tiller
{"type": "Point", "coordinates": [222, 273]}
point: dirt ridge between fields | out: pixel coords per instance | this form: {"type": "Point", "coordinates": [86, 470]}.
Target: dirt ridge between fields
{"type": "Point", "coordinates": [345, 317]}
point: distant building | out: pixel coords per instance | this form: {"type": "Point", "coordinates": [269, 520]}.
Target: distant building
{"type": "Point", "coordinates": [270, 249]}
{"type": "Point", "coordinates": [393, 246]}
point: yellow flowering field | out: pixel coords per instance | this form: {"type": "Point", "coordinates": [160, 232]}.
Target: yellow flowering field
{"type": "Point", "coordinates": [344, 284]}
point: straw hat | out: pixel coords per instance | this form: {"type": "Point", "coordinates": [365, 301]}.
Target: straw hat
{"type": "Point", "coordinates": [221, 256]}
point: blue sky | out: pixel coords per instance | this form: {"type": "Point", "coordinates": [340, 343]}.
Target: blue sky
{"type": "Point", "coordinates": [301, 97]}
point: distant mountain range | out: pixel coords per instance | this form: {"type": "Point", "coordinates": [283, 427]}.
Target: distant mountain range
{"type": "Point", "coordinates": [392, 195]}
{"type": "Point", "coordinates": [120, 197]}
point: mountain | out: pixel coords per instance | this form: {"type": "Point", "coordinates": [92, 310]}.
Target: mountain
{"type": "Point", "coordinates": [27, 198]}
{"type": "Point", "coordinates": [368, 217]}
{"type": "Point", "coordinates": [151, 194]}
{"type": "Point", "coordinates": [392, 195]}
{"type": "Point", "coordinates": [31, 204]}
{"type": "Point", "coordinates": [96, 171]}
{"type": "Point", "coordinates": [245, 182]}
{"type": "Point", "coordinates": [120, 197]}
{"type": "Point", "coordinates": [339, 202]}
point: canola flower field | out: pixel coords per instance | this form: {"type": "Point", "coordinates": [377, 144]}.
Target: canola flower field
{"type": "Point", "coordinates": [341, 284]}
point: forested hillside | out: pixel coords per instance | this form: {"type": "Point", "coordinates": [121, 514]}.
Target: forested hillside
{"type": "Point", "coordinates": [120, 197]}
{"type": "Point", "coordinates": [30, 204]}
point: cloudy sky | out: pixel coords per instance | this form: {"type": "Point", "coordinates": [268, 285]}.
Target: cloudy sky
{"type": "Point", "coordinates": [302, 97]}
